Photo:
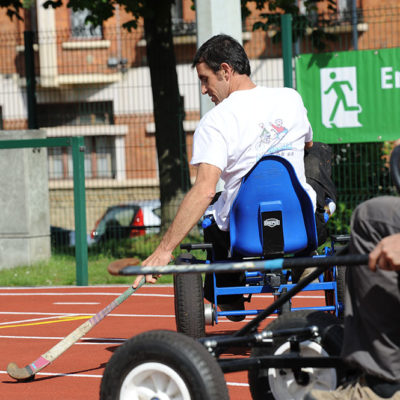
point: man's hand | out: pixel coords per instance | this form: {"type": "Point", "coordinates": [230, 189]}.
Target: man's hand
{"type": "Point", "coordinates": [386, 254]}
{"type": "Point", "coordinates": [158, 258]}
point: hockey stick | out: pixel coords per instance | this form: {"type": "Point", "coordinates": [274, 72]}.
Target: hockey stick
{"type": "Point", "coordinates": [265, 265]}
{"type": "Point", "coordinates": [28, 372]}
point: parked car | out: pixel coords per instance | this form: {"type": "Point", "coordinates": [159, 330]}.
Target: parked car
{"type": "Point", "coordinates": [128, 220]}
{"type": "Point", "coordinates": [62, 237]}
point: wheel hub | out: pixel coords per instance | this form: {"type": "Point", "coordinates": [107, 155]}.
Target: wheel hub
{"type": "Point", "coordinates": [154, 381]}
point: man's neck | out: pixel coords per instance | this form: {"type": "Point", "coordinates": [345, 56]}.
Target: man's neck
{"type": "Point", "coordinates": [241, 82]}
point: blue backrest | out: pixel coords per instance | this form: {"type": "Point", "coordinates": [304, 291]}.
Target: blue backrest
{"type": "Point", "coordinates": [272, 203]}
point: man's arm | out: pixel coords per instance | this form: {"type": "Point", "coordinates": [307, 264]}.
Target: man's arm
{"type": "Point", "coordinates": [386, 254]}
{"type": "Point", "coordinates": [190, 211]}
{"type": "Point", "coordinates": [308, 145]}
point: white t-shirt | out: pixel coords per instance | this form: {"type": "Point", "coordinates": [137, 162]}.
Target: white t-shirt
{"type": "Point", "coordinates": [245, 126]}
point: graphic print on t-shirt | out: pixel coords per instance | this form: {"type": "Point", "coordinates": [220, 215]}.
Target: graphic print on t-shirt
{"type": "Point", "coordinates": [269, 140]}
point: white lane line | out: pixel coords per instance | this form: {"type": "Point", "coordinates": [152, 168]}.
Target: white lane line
{"type": "Point", "coordinates": [60, 315]}
{"type": "Point", "coordinates": [87, 340]}
{"type": "Point", "coordinates": [75, 304]}
{"type": "Point", "coordinates": [237, 384]}
{"type": "Point", "coordinates": [85, 294]}
{"type": "Point", "coordinates": [61, 374]}
{"type": "Point", "coordinates": [268, 296]}
{"type": "Point", "coordinates": [100, 376]}
{"type": "Point", "coordinates": [167, 285]}
{"type": "Point", "coordinates": [86, 314]}
{"type": "Point", "coordinates": [33, 320]}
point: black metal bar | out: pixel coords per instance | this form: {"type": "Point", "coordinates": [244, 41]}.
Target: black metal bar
{"type": "Point", "coordinates": [287, 361]}
{"type": "Point", "coordinates": [249, 265]}
{"type": "Point", "coordinates": [30, 79]}
{"type": "Point", "coordinates": [253, 324]}
{"type": "Point", "coordinates": [395, 166]}
{"type": "Point", "coordinates": [303, 333]}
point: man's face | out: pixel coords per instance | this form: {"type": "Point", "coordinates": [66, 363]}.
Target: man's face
{"type": "Point", "coordinates": [213, 83]}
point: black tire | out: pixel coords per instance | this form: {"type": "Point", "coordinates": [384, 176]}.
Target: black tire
{"type": "Point", "coordinates": [281, 385]}
{"type": "Point", "coordinates": [181, 363]}
{"type": "Point", "coordinates": [340, 288]}
{"type": "Point", "coordinates": [189, 301]}
{"type": "Point", "coordinates": [287, 306]}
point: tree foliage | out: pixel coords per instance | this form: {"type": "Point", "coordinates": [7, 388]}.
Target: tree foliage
{"type": "Point", "coordinates": [172, 158]}
{"type": "Point", "coordinates": [306, 20]}
{"type": "Point", "coordinates": [173, 168]}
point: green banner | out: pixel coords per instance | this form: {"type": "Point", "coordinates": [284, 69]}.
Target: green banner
{"type": "Point", "coordinates": [351, 96]}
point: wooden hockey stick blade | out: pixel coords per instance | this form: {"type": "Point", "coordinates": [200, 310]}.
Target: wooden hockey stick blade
{"type": "Point", "coordinates": [26, 373]}
{"type": "Point", "coordinates": [115, 267]}
{"type": "Point", "coordinates": [265, 265]}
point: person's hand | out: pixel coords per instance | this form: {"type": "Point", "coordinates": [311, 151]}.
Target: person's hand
{"type": "Point", "coordinates": [158, 258]}
{"type": "Point", "coordinates": [386, 254]}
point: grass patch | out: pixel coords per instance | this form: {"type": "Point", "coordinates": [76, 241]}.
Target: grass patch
{"type": "Point", "coordinates": [60, 270]}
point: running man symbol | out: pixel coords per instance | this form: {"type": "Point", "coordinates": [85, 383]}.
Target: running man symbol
{"type": "Point", "coordinates": [339, 103]}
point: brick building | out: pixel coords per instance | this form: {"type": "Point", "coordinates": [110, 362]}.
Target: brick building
{"type": "Point", "coordinates": [95, 83]}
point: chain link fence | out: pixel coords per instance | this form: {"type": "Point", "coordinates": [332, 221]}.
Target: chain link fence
{"type": "Point", "coordinates": [96, 84]}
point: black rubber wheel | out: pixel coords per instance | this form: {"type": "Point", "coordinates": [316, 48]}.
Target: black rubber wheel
{"type": "Point", "coordinates": [189, 301]}
{"type": "Point", "coordinates": [287, 306]}
{"type": "Point", "coordinates": [340, 288]}
{"type": "Point", "coordinates": [163, 364]}
{"type": "Point", "coordinates": [280, 384]}
{"type": "Point", "coordinates": [341, 285]}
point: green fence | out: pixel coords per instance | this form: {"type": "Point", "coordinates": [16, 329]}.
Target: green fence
{"type": "Point", "coordinates": [77, 149]}
{"type": "Point", "coordinates": [99, 88]}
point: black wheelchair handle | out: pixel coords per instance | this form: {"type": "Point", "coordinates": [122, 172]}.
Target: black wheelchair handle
{"type": "Point", "coordinates": [395, 166]}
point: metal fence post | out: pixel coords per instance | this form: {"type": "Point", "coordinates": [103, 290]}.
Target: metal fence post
{"type": "Point", "coordinates": [287, 49]}
{"type": "Point", "coordinates": [81, 249]}
{"type": "Point", "coordinates": [30, 80]}
{"type": "Point", "coordinates": [354, 23]}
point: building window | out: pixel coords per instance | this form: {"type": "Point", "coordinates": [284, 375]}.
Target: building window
{"type": "Point", "coordinates": [100, 151]}
{"type": "Point", "coordinates": [344, 9]}
{"type": "Point", "coordinates": [70, 114]}
{"type": "Point", "coordinates": [99, 159]}
{"type": "Point", "coordinates": [179, 26]}
{"type": "Point", "coordinates": [82, 30]}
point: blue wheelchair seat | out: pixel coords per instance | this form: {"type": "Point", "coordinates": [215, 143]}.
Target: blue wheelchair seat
{"type": "Point", "coordinates": [272, 214]}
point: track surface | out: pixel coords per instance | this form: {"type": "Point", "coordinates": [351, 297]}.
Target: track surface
{"type": "Point", "coordinates": [33, 320]}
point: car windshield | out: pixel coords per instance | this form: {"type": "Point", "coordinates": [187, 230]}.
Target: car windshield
{"type": "Point", "coordinates": [121, 216]}
{"type": "Point", "coordinates": [157, 211]}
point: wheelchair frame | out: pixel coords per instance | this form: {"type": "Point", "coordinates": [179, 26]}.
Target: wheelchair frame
{"type": "Point", "coordinates": [246, 337]}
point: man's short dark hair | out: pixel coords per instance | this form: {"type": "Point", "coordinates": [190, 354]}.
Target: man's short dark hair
{"type": "Point", "coordinates": [223, 49]}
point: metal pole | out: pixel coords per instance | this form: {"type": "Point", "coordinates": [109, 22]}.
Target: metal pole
{"type": "Point", "coordinates": [354, 23]}
{"type": "Point", "coordinates": [30, 79]}
{"type": "Point", "coordinates": [81, 249]}
{"type": "Point", "coordinates": [78, 157]}
{"type": "Point", "coordinates": [287, 49]}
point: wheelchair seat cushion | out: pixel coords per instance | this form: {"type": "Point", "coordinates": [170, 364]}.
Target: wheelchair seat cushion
{"type": "Point", "coordinates": [272, 214]}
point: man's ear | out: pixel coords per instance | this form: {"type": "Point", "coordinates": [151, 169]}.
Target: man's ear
{"type": "Point", "coordinates": [227, 70]}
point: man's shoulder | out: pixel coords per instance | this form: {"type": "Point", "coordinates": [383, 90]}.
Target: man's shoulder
{"type": "Point", "coordinates": [273, 93]}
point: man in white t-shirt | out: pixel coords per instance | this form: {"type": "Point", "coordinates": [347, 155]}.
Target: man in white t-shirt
{"type": "Point", "coordinates": [247, 123]}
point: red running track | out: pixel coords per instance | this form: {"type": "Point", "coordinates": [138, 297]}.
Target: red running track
{"type": "Point", "coordinates": [33, 320]}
